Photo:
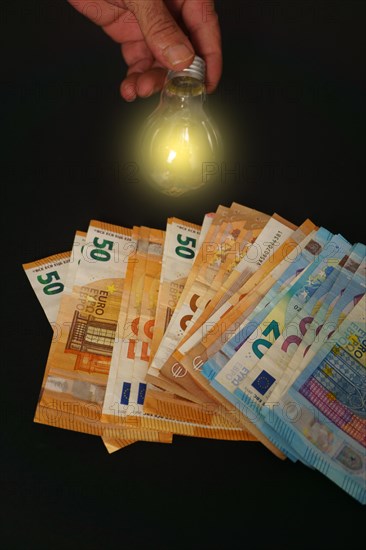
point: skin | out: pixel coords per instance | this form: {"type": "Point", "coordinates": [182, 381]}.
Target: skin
{"type": "Point", "coordinates": [156, 35]}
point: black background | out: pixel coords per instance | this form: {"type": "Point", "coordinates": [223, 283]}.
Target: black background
{"type": "Point", "coordinates": [290, 103]}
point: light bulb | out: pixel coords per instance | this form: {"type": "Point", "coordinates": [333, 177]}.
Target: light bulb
{"type": "Point", "coordinates": [180, 145]}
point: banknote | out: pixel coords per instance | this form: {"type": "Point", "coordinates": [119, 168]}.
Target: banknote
{"type": "Point", "coordinates": [267, 248]}
{"type": "Point", "coordinates": [241, 378]}
{"type": "Point", "coordinates": [308, 252]}
{"type": "Point", "coordinates": [243, 225]}
{"type": "Point", "coordinates": [228, 296]}
{"type": "Point", "coordinates": [209, 349]}
{"type": "Point", "coordinates": [78, 362]}
{"type": "Point", "coordinates": [124, 325]}
{"type": "Point", "coordinates": [322, 416]}
{"type": "Point", "coordinates": [180, 248]}
{"type": "Point", "coordinates": [130, 387]}
{"type": "Point", "coordinates": [273, 363]}
{"type": "Point", "coordinates": [208, 246]}
{"type": "Point", "coordinates": [130, 347]}
{"type": "Point", "coordinates": [276, 285]}
{"type": "Point", "coordinates": [61, 268]}
{"type": "Point", "coordinates": [183, 417]}
{"type": "Point", "coordinates": [47, 277]}
{"type": "Point", "coordinates": [265, 251]}
{"type": "Point", "coordinates": [143, 326]}
{"type": "Point", "coordinates": [294, 353]}
{"type": "Point", "coordinates": [243, 381]}
{"type": "Point", "coordinates": [124, 355]}
{"type": "Point", "coordinates": [262, 244]}
{"type": "Point", "coordinates": [138, 297]}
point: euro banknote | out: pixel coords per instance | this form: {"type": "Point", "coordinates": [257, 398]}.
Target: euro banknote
{"type": "Point", "coordinates": [236, 381]}
{"type": "Point", "coordinates": [322, 415]}
{"type": "Point", "coordinates": [316, 326]}
{"type": "Point", "coordinates": [263, 242]}
{"type": "Point", "coordinates": [226, 251]}
{"type": "Point", "coordinates": [78, 363]}
{"type": "Point", "coordinates": [126, 398]}
{"type": "Point", "coordinates": [51, 277]}
{"type": "Point", "coordinates": [209, 349]}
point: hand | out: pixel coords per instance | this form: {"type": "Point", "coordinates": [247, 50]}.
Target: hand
{"type": "Point", "coordinates": [157, 35]}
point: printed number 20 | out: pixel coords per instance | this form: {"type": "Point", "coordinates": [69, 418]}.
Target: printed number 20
{"type": "Point", "coordinates": [272, 327]}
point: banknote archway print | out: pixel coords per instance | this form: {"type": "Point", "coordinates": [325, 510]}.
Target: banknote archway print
{"type": "Point", "coordinates": [91, 340]}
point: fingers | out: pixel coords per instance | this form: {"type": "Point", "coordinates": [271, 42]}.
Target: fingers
{"type": "Point", "coordinates": [167, 42]}
{"type": "Point", "coordinates": [136, 50]}
{"type": "Point", "coordinates": [151, 37]}
{"type": "Point", "coordinates": [202, 24]}
{"type": "Point", "coordinates": [142, 81]}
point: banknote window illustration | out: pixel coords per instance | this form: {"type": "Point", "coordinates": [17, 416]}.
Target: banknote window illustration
{"type": "Point", "coordinates": [336, 388]}
{"type": "Point", "coordinates": [313, 247]}
{"type": "Point", "coordinates": [91, 335]}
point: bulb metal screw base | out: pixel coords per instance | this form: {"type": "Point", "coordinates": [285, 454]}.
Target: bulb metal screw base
{"type": "Point", "coordinates": [197, 69]}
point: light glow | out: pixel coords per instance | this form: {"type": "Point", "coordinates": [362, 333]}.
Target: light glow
{"type": "Point", "coordinates": [179, 140]}
{"type": "Point", "coordinates": [171, 156]}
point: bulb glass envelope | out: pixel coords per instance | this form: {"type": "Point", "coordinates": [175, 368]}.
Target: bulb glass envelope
{"type": "Point", "coordinates": [179, 138]}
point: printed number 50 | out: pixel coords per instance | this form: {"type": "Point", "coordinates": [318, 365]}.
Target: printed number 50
{"type": "Point", "coordinates": [50, 287]}
{"type": "Point", "coordinates": [99, 253]}
{"type": "Point", "coordinates": [183, 251]}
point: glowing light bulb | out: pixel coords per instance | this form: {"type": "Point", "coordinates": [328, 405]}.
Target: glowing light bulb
{"type": "Point", "coordinates": [180, 142]}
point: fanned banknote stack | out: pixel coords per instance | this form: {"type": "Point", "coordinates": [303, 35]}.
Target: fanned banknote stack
{"type": "Point", "coordinates": [246, 327]}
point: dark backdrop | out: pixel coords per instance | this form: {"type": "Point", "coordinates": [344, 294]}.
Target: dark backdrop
{"type": "Point", "coordinates": [291, 105]}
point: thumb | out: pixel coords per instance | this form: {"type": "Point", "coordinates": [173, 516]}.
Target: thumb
{"type": "Point", "coordinates": [167, 42]}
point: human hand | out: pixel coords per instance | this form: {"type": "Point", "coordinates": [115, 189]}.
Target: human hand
{"type": "Point", "coordinates": [156, 35]}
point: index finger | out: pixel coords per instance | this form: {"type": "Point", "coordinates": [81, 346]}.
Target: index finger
{"type": "Point", "coordinates": [202, 23]}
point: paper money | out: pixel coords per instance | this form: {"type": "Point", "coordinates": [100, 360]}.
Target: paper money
{"type": "Point", "coordinates": [177, 263]}
{"type": "Point", "coordinates": [125, 351]}
{"type": "Point", "coordinates": [292, 272]}
{"type": "Point", "coordinates": [180, 248]}
{"type": "Point", "coordinates": [167, 343]}
{"type": "Point", "coordinates": [227, 297]}
{"type": "Point", "coordinates": [130, 388]}
{"type": "Point", "coordinates": [243, 224]}
{"type": "Point", "coordinates": [271, 239]}
{"type": "Point", "coordinates": [139, 347]}
{"type": "Point", "coordinates": [270, 254]}
{"type": "Point", "coordinates": [209, 349]}
{"type": "Point", "coordinates": [274, 234]}
{"type": "Point", "coordinates": [240, 378]}
{"type": "Point", "coordinates": [314, 327]}
{"type": "Point", "coordinates": [78, 363]}
{"type": "Point", "coordinates": [47, 278]}
{"type": "Point", "coordinates": [61, 268]}
{"type": "Point", "coordinates": [124, 327]}
{"type": "Point", "coordinates": [243, 383]}
{"type": "Point", "coordinates": [243, 328]}
{"type": "Point", "coordinates": [322, 416]}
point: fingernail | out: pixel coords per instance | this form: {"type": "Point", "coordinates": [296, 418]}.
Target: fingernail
{"type": "Point", "coordinates": [178, 54]}
{"type": "Point", "coordinates": [128, 92]}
